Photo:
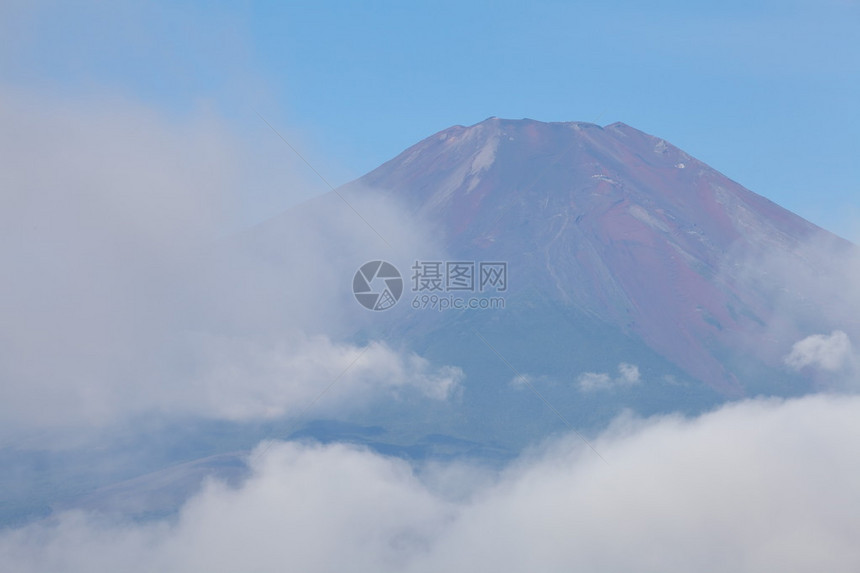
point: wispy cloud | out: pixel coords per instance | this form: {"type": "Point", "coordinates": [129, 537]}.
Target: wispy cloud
{"type": "Point", "coordinates": [628, 375]}
{"type": "Point", "coordinates": [125, 293]}
{"type": "Point", "coordinates": [829, 352]}
{"type": "Point", "coordinates": [793, 297]}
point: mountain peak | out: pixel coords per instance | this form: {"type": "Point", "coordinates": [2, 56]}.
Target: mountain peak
{"type": "Point", "coordinates": [610, 220]}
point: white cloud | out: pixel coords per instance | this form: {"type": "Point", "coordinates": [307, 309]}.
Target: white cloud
{"type": "Point", "coordinates": [628, 375]}
{"type": "Point", "coordinates": [793, 293]}
{"type": "Point", "coordinates": [244, 380]}
{"type": "Point", "coordinates": [594, 381]}
{"type": "Point", "coordinates": [831, 353]}
{"type": "Point", "coordinates": [523, 381]}
{"type": "Point", "coordinates": [755, 486]}
{"type": "Point", "coordinates": [121, 296]}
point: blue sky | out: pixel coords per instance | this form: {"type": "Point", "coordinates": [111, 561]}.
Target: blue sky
{"type": "Point", "coordinates": [766, 92]}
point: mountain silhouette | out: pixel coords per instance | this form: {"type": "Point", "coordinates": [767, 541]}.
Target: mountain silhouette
{"type": "Point", "coordinates": [634, 271]}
